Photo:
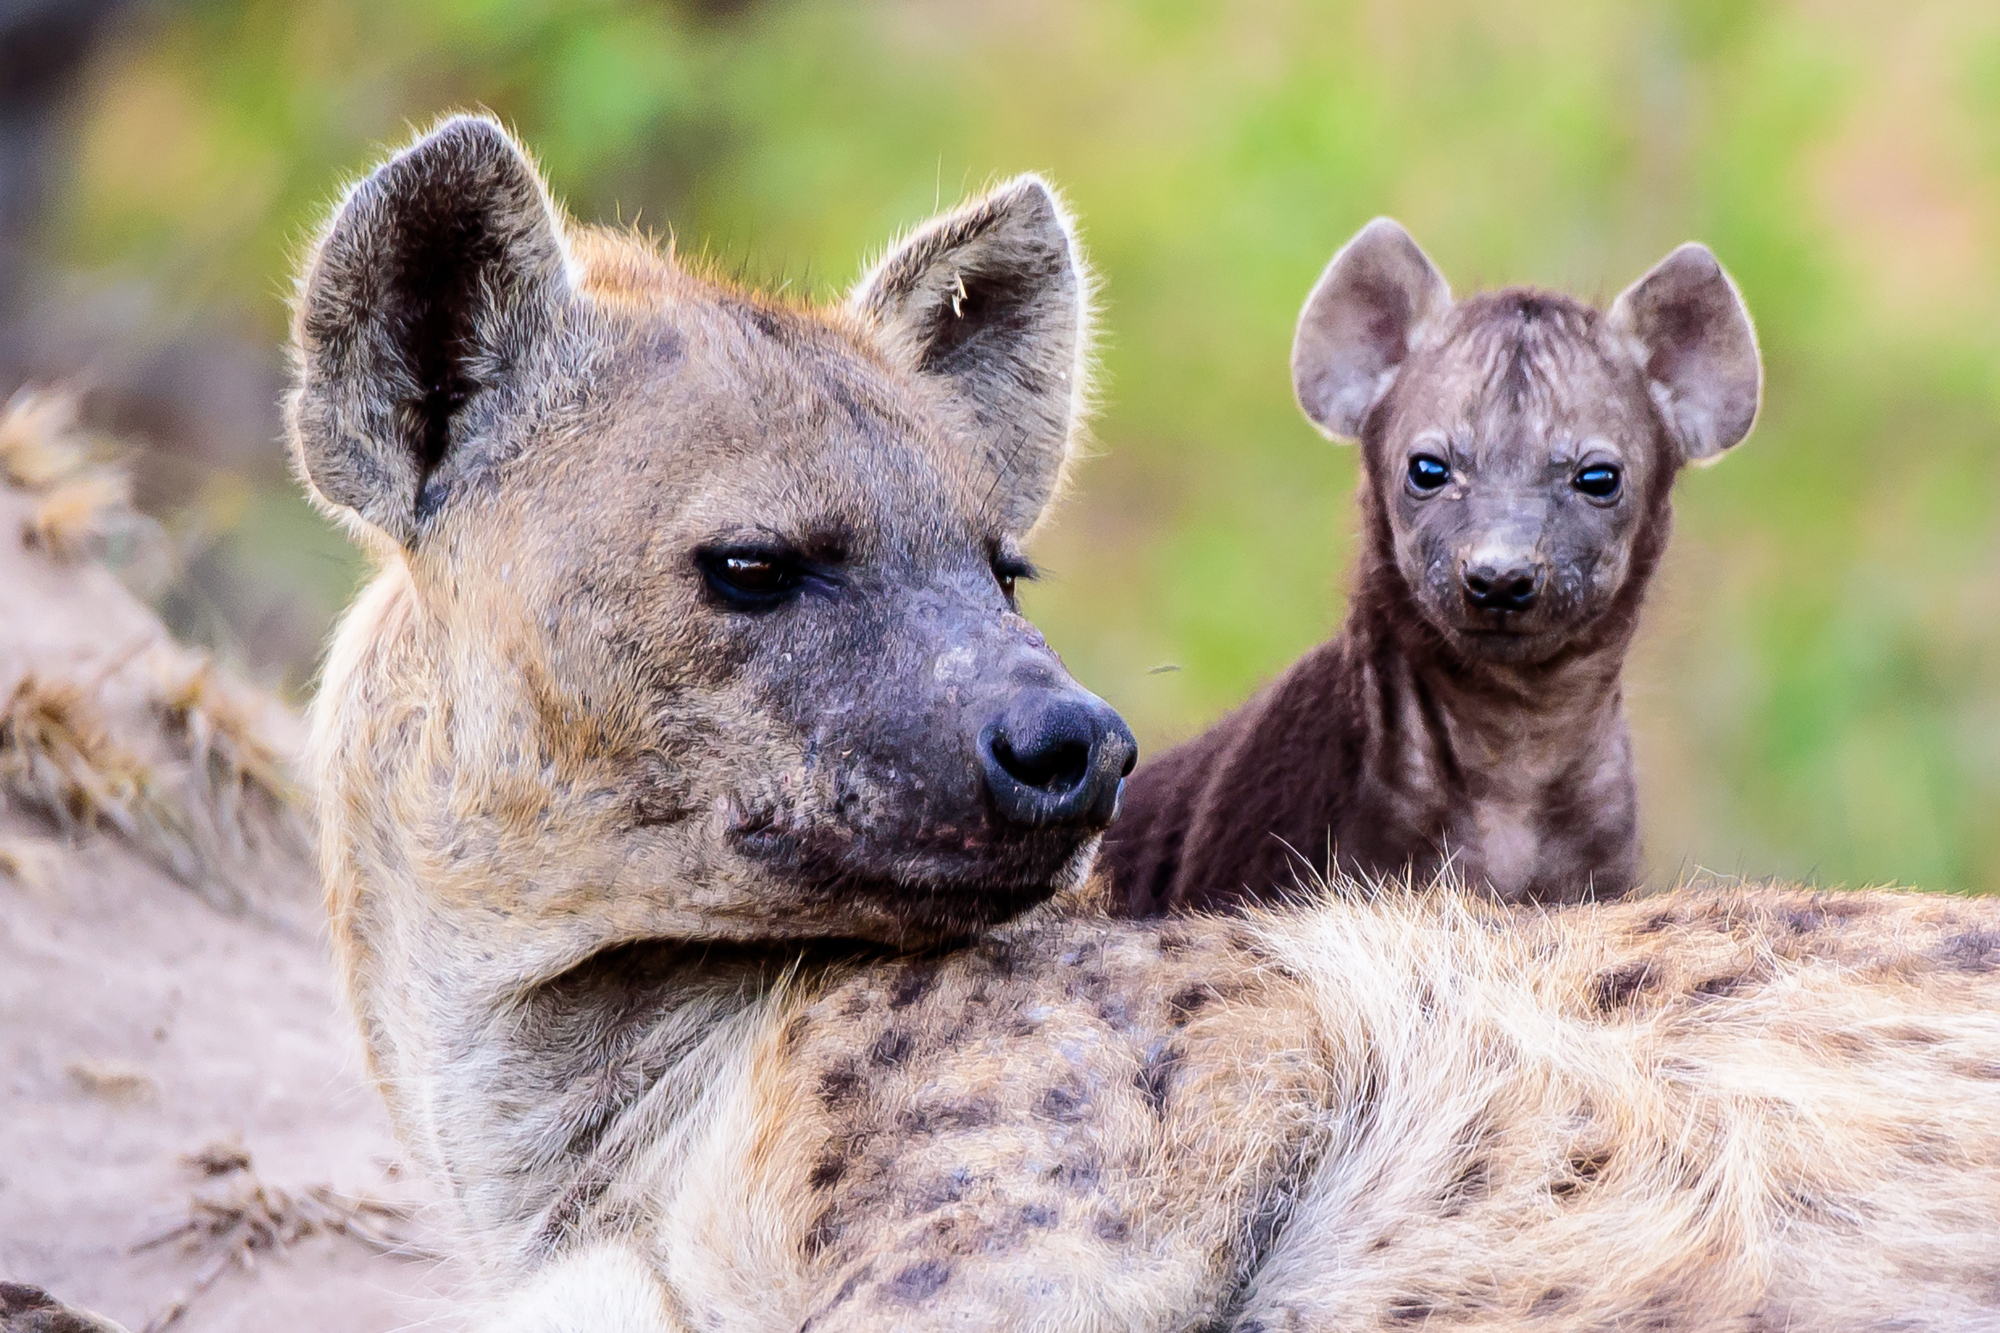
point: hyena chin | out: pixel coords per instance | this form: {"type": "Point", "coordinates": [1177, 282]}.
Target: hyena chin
{"type": "Point", "coordinates": [1518, 452]}
{"type": "Point", "coordinates": [699, 818]}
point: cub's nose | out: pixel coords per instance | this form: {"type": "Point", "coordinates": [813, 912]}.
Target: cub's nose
{"type": "Point", "coordinates": [1056, 757]}
{"type": "Point", "coordinates": [1502, 585]}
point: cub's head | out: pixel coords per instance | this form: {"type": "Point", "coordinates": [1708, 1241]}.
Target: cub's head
{"type": "Point", "coordinates": [1519, 446]}
{"type": "Point", "coordinates": [697, 614]}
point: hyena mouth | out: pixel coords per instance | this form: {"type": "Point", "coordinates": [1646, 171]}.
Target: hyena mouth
{"type": "Point", "coordinates": [946, 887]}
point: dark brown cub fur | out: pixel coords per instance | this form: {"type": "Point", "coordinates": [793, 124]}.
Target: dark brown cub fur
{"type": "Point", "coordinates": [1518, 451]}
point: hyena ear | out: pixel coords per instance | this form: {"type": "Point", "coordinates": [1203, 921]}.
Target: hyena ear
{"type": "Point", "coordinates": [427, 312]}
{"type": "Point", "coordinates": [1377, 298]}
{"type": "Point", "coordinates": [1691, 334]}
{"type": "Point", "coordinates": [993, 300]}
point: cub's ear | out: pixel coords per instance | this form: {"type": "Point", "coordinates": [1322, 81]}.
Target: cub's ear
{"type": "Point", "coordinates": [1376, 299]}
{"type": "Point", "coordinates": [1691, 334]}
{"type": "Point", "coordinates": [428, 311]}
{"type": "Point", "coordinates": [993, 300]}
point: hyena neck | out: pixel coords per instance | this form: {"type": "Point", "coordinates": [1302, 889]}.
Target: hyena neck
{"type": "Point", "coordinates": [581, 1073]}
{"type": "Point", "coordinates": [1527, 767]}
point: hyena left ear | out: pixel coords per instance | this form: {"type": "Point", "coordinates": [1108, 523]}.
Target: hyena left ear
{"type": "Point", "coordinates": [993, 301]}
{"type": "Point", "coordinates": [428, 313]}
{"type": "Point", "coordinates": [1691, 334]}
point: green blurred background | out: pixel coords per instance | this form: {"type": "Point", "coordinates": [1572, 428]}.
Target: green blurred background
{"type": "Point", "coordinates": [1817, 690]}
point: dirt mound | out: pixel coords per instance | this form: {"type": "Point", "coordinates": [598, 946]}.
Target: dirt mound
{"type": "Point", "coordinates": [188, 1136]}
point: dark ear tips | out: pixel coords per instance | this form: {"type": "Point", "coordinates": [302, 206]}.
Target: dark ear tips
{"type": "Point", "coordinates": [1374, 301]}
{"type": "Point", "coordinates": [1692, 336]}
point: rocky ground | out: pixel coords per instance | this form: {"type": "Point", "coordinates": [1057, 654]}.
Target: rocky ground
{"type": "Point", "coordinates": [187, 1138]}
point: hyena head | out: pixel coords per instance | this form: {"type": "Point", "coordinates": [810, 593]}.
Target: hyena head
{"type": "Point", "coordinates": [698, 610]}
{"type": "Point", "coordinates": [1519, 446]}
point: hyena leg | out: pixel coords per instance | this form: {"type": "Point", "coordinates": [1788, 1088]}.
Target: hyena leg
{"type": "Point", "coordinates": [604, 1288]}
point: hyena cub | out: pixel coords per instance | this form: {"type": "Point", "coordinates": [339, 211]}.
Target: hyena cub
{"type": "Point", "coordinates": [693, 800]}
{"type": "Point", "coordinates": [1518, 449]}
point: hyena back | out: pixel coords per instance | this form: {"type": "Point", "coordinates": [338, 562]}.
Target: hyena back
{"type": "Point", "coordinates": [703, 831]}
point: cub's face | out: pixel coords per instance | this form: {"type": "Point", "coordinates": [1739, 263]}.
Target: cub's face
{"type": "Point", "coordinates": [1519, 463]}
{"type": "Point", "coordinates": [1519, 447]}
{"type": "Point", "coordinates": [712, 599]}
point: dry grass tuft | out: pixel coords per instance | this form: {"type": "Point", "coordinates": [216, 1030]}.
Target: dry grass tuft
{"type": "Point", "coordinates": [249, 796]}
{"type": "Point", "coordinates": [58, 758]}
{"type": "Point", "coordinates": [34, 865]}
{"type": "Point", "coordinates": [218, 1158]}
{"type": "Point", "coordinates": [231, 1225]}
{"type": "Point", "coordinates": [42, 441]}
{"type": "Point", "coordinates": [213, 815]}
{"type": "Point", "coordinates": [112, 1081]}
{"type": "Point", "coordinates": [84, 506]}
{"type": "Point", "coordinates": [80, 517]}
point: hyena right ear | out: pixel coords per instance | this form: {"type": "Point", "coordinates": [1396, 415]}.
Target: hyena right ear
{"type": "Point", "coordinates": [428, 311]}
{"type": "Point", "coordinates": [1369, 308]}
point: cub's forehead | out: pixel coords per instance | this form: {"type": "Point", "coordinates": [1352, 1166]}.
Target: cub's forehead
{"type": "Point", "coordinates": [1511, 360]}
{"type": "Point", "coordinates": [729, 413]}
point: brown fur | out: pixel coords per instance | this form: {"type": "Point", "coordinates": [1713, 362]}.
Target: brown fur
{"type": "Point", "coordinates": [667, 1084]}
{"type": "Point", "coordinates": [1432, 731]}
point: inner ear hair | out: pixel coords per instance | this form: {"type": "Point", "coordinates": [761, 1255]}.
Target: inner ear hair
{"type": "Point", "coordinates": [991, 303]}
{"type": "Point", "coordinates": [1377, 298]}
{"type": "Point", "coordinates": [1689, 330]}
{"type": "Point", "coordinates": [424, 314]}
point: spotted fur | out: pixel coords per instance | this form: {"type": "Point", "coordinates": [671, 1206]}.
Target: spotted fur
{"type": "Point", "coordinates": [700, 1018]}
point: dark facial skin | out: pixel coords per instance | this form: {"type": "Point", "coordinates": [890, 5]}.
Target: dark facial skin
{"type": "Point", "coordinates": [1516, 479]}
{"type": "Point", "coordinates": [832, 692]}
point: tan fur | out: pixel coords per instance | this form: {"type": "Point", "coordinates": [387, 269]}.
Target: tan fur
{"type": "Point", "coordinates": [668, 1085]}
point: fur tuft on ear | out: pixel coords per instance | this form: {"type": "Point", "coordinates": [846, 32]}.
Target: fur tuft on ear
{"type": "Point", "coordinates": [424, 314]}
{"type": "Point", "coordinates": [993, 302]}
{"type": "Point", "coordinates": [1691, 334]}
{"type": "Point", "coordinates": [1373, 303]}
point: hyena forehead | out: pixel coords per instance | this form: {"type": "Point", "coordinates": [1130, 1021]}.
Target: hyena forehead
{"type": "Point", "coordinates": [1522, 374]}
{"type": "Point", "coordinates": [720, 416]}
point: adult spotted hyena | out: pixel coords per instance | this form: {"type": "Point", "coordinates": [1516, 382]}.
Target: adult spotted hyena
{"type": "Point", "coordinates": [1518, 452]}
{"type": "Point", "coordinates": [697, 810]}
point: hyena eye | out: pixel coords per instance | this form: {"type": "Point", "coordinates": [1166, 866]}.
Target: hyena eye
{"type": "Point", "coordinates": [750, 580]}
{"type": "Point", "coordinates": [1599, 481]}
{"type": "Point", "coordinates": [1007, 571]}
{"type": "Point", "coordinates": [1428, 472]}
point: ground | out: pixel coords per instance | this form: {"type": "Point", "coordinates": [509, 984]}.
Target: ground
{"type": "Point", "coordinates": [167, 1008]}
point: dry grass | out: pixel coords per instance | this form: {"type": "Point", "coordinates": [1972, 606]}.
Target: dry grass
{"type": "Point", "coordinates": [231, 1225]}
{"type": "Point", "coordinates": [58, 758]}
{"type": "Point", "coordinates": [213, 817]}
{"type": "Point", "coordinates": [249, 800]}
{"type": "Point", "coordinates": [83, 494]}
{"type": "Point", "coordinates": [77, 519]}
{"type": "Point", "coordinates": [42, 441]}
{"type": "Point", "coordinates": [112, 1081]}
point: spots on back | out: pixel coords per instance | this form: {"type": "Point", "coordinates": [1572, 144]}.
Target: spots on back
{"type": "Point", "coordinates": [1028, 1092]}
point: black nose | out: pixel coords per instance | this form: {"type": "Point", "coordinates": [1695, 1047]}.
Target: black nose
{"type": "Point", "coordinates": [1503, 587]}
{"type": "Point", "coordinates": [1056, 757]}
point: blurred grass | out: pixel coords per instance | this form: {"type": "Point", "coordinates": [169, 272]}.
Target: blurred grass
{"type": "Point", "coordinates": [1818, 689]}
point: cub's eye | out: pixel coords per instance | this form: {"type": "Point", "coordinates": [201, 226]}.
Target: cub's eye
{"type": "Point", "coordinates": [750, 580]}
{"type": "Point", "coordinates": [1428, 472]}
{"type": "Point", "coordinates": [1599, 481]}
